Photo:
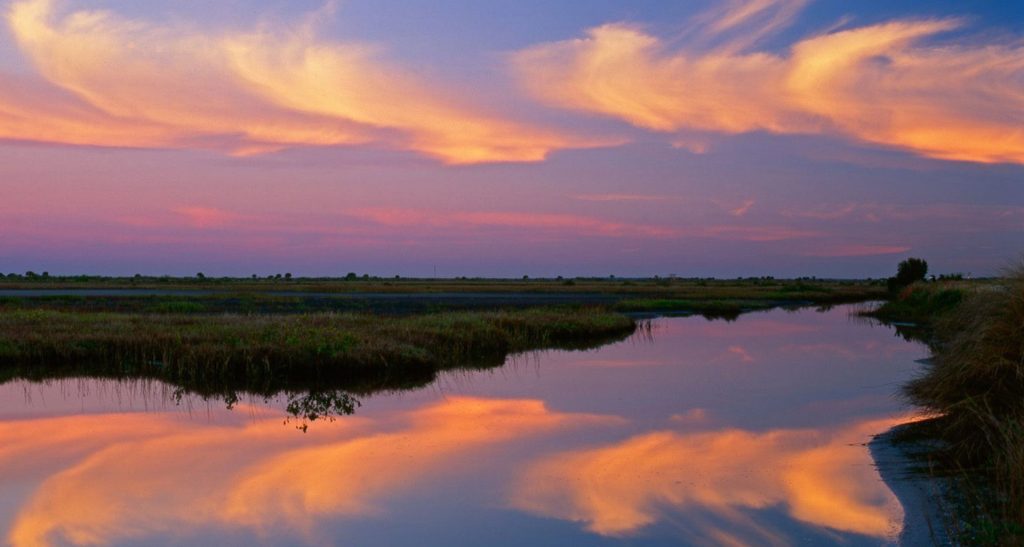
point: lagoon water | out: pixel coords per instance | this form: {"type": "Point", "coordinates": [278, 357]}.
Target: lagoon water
{"type": "Point", "coordinates": [705, 433]}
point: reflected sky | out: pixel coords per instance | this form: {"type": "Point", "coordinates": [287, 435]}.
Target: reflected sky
{"type": "Point", "coordinates": [748, 432]}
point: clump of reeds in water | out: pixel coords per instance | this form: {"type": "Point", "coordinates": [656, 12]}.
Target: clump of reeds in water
{"type": "Point", "coordinates": [264, 352]}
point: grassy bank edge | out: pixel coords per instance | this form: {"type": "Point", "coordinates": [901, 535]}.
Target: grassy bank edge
{"type": "Point", "coordinates": [974, 384]}
{"type": "Point", "coordinates": [265, 354]}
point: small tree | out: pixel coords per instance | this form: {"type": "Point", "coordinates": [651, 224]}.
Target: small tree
{"type": "Point", "coordinates": [908, 272]}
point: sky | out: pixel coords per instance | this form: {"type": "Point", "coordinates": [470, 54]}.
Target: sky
{"type": "Point", "coordinates": [735, 138]}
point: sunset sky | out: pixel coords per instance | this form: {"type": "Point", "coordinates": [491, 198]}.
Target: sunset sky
{"type": "Point", "coordinates": [597, 137]}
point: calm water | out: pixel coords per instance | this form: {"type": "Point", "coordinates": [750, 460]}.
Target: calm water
{"type": "Point", "coordinates": [749, 432]}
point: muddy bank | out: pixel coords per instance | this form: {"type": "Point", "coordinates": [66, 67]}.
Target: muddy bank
{"type": "Point", "coordinates": [901, 465]}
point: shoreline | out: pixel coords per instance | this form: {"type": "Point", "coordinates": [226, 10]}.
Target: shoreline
{"type": "Point", "coordinates": [920, 494]}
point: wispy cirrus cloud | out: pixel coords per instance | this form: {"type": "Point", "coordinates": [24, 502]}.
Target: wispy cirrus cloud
{"type": "Point", "coordinates": [884, 83]}
{"type": "Point", "coordinates": [114, 81]}
{"type": "Point", "coordinates": [743, 208]}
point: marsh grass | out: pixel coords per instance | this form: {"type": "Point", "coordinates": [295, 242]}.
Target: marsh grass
{"type": "Point", "coordinates": [710, 309]}
{"type": "Point", "coordinates": [976, 383]}
{"type": "Point", "coordinates": [819, 290]}
{"type": "Point", "coordinates": [921, 303]}
{"type": "Point", "coordinates": [267, 353]}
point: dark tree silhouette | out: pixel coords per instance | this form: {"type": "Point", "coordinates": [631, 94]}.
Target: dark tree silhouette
{"type": "Point", "coordinates": [908, 271]}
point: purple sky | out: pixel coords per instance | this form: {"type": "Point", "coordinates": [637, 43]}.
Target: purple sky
{"type": "Point", "coordinates": [766, 137]}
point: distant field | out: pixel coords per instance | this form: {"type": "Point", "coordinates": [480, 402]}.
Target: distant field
{"type": "Point", "coordinates": [666, 288]}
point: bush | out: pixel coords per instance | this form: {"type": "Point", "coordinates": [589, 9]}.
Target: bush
{"type": "Point", "coordinates": [908, 272]}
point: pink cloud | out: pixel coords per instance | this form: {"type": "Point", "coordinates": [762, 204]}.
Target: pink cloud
{"type": "Point", "coordinates": [742, 209]}
{"type": "Point", "coordinates": [207, 217]}
{"type": "Point", "coordinates": [741, 353]}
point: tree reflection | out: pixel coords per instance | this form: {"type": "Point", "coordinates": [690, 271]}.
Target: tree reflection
{"type": "Point", "coordinates": [311, 406]}
{"type": "Point", "coordinates": [302, 407]}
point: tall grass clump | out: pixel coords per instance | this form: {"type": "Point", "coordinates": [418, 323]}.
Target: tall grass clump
{"type": "Point", "coordinates": [920, 303]}
{"type": "Point", "coordinates": [976, 383]}
{"type": "Point", "coordinates": [262, 353]}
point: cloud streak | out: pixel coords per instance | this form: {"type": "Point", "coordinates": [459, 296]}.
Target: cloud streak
{"type": "Point", "coordinates": [884, 84]}
{"type": "Point", "coordinates": [113, 81]}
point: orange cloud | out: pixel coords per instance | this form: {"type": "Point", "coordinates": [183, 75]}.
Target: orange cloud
{"type": "Point", "coordinates": [879, 83]}
{"type": "Point", "coordinates": [133, 476]}
{"type": "Point", "coordinates": [122, 82]}
{"type": "Point", "coordinates": [821, 478]}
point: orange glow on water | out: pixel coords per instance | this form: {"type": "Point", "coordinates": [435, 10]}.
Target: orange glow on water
{"type": "Point", "coordinates": [817, 477]}
{"type": "Point", "coordinates": [128, 476]}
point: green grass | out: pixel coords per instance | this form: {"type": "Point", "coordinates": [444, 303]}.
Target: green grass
{"type": "Point", "coordinates": [921, 303]}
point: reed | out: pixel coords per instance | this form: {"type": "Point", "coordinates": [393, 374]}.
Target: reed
{"type": "Point", "coordinates": [975, 384]}
{"type": "Point", "coordinates": [263, 353]}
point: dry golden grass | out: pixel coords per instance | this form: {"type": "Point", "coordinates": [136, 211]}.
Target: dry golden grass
{"type": "Point", "coordinates": [976, 382]}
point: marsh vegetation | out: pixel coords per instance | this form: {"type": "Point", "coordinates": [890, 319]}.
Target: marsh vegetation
{"type": "Point", "coordinates": [325, 341]}
{"type": "Point", "coordinates": [974, 384]}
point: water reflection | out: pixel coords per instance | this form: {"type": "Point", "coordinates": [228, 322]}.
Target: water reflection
{"type": "Point", "coordinates": [140, 475]}
{"type": "Point", "coordinates": [748, 432]}
{"type": "Point", "coordinates": [819, 477]}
